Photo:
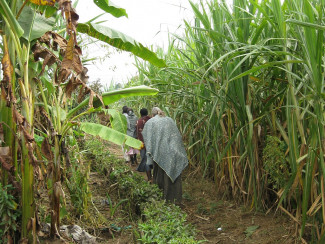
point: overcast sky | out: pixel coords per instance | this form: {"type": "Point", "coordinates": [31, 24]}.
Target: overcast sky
{"type": "Point", "coordinates": [148, 22]}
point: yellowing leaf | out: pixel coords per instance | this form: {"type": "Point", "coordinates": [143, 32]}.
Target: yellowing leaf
{"type": "Point", "coordinates": [43, 2]}
{"type": "Point", "coordinates": [69, 52]}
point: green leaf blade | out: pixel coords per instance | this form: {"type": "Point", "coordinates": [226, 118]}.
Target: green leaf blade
{"type": "Point", "coordinates": [109, 134]}
{"type": "Point", "coordinates": [121, 41]}
{"type": "Point", "coordinates": [111, 8]}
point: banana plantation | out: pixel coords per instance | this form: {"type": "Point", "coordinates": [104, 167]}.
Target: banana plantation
{"type": "Point", "coordinates": [244, 83]}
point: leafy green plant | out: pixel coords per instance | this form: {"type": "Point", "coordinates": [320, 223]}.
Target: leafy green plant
{"type": "Point", "coordinates": [164, 223]}
{"type": "Point", "coordinates": [160, 222]}
{"type": "Point", "coordinates": [275, 162]}
{"type": "Point", "coordinates": [112, 208]}
{"type": "Point", "coordinates": [77, 185]}
{"type": "Point", "coordinates": [8, 214]}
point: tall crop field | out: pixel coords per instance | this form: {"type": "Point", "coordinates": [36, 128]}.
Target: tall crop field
{"type": "Point", "coordinates": [246, 85]}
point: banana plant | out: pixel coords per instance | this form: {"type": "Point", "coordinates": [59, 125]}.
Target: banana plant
{"type": "Point", "coordinates": [19, 72]}
{"type": "Point", "coordinates": [18, 36]}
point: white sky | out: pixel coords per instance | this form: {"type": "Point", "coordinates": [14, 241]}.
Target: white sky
{"type": "Point", "coordinates": [148, 22]}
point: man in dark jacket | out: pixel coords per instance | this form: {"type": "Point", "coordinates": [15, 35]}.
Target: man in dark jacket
{"type": "Point", "coordinates": [143, 167]}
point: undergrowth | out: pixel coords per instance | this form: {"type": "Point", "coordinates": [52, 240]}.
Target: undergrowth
{"type": "Point", "coordinates": [157, 221]}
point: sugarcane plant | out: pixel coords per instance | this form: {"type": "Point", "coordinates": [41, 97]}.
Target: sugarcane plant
{"type": "Point", "coordinates": [238, 75]}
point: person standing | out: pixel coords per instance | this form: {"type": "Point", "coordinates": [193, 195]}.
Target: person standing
{"type": "Point", "coordinates": [166, 152]}
{"type": "Point", "coordinates": [124, 150]}
{"type": "Point", "coordinates": [131, 131]}
{"type": "Point", "coordinates": [143, 167]}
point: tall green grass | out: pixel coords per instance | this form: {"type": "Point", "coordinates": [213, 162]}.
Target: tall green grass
{"type": "Point", "coordinates": [234, 77]}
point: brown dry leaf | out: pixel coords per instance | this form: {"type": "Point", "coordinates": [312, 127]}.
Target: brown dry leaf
{"type": "Point", "coordinates": [72, 85]}
{"type": "Point", "coordinates": [43, 2]}
{"type": "Point", "coordinates": [64, 74]}
{"type": "Point", "coordinates": [6, 163]}
{"type": "Point", "coordinates": [91, 98]}
{"type": "Point", "coordinates": [28, 137]}
{"type": "Point", "coordinates": [59, 41]}
{"type": "Point", "coordinates": [46, 150]}
{"type": "Point", "coordinates": [46, 38]}
{"type": "Point", "coordinates": [83, 75]}
{"type": "Point", "coordinates": [7, 68]}
{"type": "Point", "coordinates": [49, 122]}
{"type": "Point", "coordinates": [72, 59]}
{"type": "Point", "coordinates": [18, 117]}
{"type": "Point", "coordinates": [83, 92]}
{"type": "Point", "coordinates": [70, 15]}
{"type": "Point", "coordinates": [6, 65]}
{"type": "Point", "coordinates": [42, 52]}
{"type": "Point", "coordinates": [69, 52]}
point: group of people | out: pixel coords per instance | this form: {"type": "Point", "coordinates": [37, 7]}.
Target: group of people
{"type": "Point", "coordinates": [163, 151]}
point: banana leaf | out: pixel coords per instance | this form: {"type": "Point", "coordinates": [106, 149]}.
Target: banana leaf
{"type": "Point", "coordinates": [34, 24]}
{"type": "Point", "coordinates": [113, 96]}
{"type": "Point", "coordinates": [109, 7]}
{"type": "Point", "coordinates": [109, 134]}
{"type": "Point", "coordinates": [120, 41]}
{"type": "Point", "coordinates": [118, 120]}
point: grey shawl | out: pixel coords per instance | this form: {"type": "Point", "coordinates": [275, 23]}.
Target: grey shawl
{"type": "Point", "coordinates": [165, 146]}
{"type": "Point", "coordinates": [132, 124]}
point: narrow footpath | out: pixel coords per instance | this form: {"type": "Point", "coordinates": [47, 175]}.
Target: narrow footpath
{"type": "Point", "coordinates": [221, 221]}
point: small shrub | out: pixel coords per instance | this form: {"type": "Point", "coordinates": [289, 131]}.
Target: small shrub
{"type": "Point", "coordinates": [164, 223]}
{"type": "Point", "coordinates": [275, 163]}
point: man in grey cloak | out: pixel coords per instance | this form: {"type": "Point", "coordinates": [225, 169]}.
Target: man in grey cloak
{"type": "Point", "coordinates": [166, 153]}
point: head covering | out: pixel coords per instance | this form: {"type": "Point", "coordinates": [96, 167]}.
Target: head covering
{"type": "Point", "coordinates": [155, 111]}
{"type": "Point", "coordinates": [165, 146]}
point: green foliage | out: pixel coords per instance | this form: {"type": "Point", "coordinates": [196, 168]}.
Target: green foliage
{"type": "Point", "coordinates": [120, 41]}
{"type": "Point", "coordinates": [110, 7]}
{"type": "Point", "coordinates": [164, 223]}
{"type": "Point", "coordinates": [275, 162]}
{"type": "Point", "coordinates": [109, 134]}
{"type": "Point", "coordinates": [77, 185]}
{"type": "Point", "coordinates": [139, 191]}
{"type": "Point", "coordinates": [96, 152]}
{"type": "Point", "coordinates": [112, 208]}
{"type": "Point", "coordinates": [33, 31]}
{"type": "Point", "coordinates": [8, 213]}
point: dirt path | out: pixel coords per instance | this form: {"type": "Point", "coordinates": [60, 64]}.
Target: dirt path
{"type": "Point", "coordinates": [221, 221]}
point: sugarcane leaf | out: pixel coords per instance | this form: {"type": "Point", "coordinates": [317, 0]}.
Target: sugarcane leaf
{"type": "Point", "coordinates": [306, 24]}
{"type": "Point", "coordinates": [109, 134]}
{"type": "Point", "coordinates": [120, 41]}
{"type": "Point", "coordinates": [109, 7]}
